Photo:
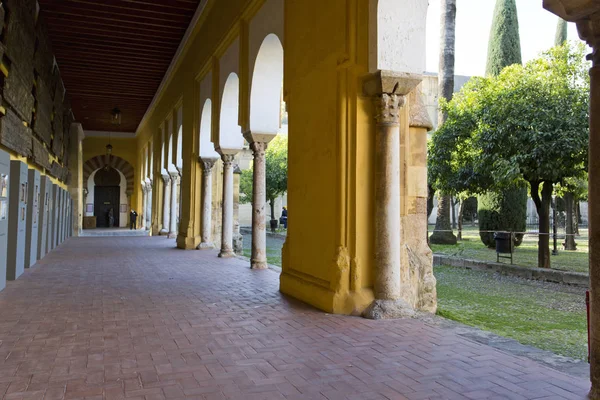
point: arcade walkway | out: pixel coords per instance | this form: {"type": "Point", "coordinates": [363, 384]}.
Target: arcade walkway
{"type": "Point", "coordinates": [114, 318]}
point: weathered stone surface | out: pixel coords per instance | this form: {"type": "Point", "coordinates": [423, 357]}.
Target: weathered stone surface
{"type": "Point", "coordinates": [42, 124]}
{"type": "Point", "coordinates": [14, 134]}
{"type": "Point", "coordinates": [40, 154]}
{"type": "Point", "coordinates": [57, 144]}
{"type": "Point", "coordinates": [59, 92]}
{"type": "Point", "coordinates": [43, 58]}
{"type": "Point", "coordinates": [19, 37]}
{"type": "Point", "coordinates": [58, 171]}
{"type": "Point", "coordinates": [17, 92]}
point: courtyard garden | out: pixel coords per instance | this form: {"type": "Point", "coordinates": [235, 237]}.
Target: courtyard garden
{"type": "Point", "coordinates": [545, 315]}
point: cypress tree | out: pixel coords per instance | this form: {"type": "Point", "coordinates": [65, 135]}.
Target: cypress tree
{"type": "Point", "coordinates": [561, 32]}
{"type": "Point", "coordinates": [504, 47]}
{"type": "Point", "coordinates": [505, 211]}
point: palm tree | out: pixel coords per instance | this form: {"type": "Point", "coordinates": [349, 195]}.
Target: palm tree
{"type": "Point", "coordinates": [443, 229]}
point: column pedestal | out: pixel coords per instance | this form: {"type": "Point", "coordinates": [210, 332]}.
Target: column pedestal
{"type": "Point", "coordinates": [206, 233]}
{"type": "Point", "coordinates": [227, 217]}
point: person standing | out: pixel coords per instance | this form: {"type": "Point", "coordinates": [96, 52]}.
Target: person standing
{"type": "Point", "coordinates": [133, 219]}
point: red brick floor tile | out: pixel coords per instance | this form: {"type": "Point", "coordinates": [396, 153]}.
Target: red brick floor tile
{"type": "Point", "coordinates": [136, 319]}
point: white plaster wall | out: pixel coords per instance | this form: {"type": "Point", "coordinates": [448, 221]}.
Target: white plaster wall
{"type": "Point", "coordinates": [230, 132]}
{"type": "Point", "coordinates": [267, 80]}
{"type": "Point", "coordinates": [207, 148]}
{"type": "Point", "coordinates": [122, 197]}
{"type": "Point", "coordinates": [179, 139]}
{"type": "Point", "coordinates": [230, 135]}
{"type": "Point", "coordinates": [398, 35]}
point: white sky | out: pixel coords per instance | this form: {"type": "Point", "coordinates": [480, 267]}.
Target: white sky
{"type": "Point", "coordinates": [473, 23]}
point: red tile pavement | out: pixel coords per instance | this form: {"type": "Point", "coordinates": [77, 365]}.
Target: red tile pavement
{"type": "Point", "coordinates": [134, 318]}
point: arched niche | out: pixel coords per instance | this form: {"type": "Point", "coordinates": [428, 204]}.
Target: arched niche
{"type": "Point", "coordinates": [397, 35]}
{"type": "Point", "coordinates": [266, 87]}
{"type": "Point", "coordinates": [230, 135]}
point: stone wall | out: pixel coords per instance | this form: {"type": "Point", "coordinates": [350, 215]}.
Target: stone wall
{"type": "Point", "coordinates": [35, 116]}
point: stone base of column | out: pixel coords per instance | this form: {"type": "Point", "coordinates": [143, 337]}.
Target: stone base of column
{"type": "Point", "coordinates": [388, 309]}
{"type": "Point", "coordinates": [172, 235]}
{"type": "Point", "coordinates": [258, 265]}
{"type": "Point", "coordinates": [163, 232]}
{"type": "Point", "coordinates": [227, 254]}
{"type": "Point", "coordinates": [206, 246]}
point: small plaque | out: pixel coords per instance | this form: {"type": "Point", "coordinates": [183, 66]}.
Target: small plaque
{"type": "Point", "coordinates": [3, 185]}
{"type": "Point", "coordinates": [3, 209]}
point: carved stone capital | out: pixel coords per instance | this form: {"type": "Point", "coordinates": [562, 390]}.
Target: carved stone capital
{"type": "Point", "coordinates": [258, 149]}
{"type": "Point", "coordinates": [589, 30]}
{"type": "Point", "coordinates": [175, 177]}
{"type": "Point", "coordinates": [387, 108]}
{"type": "Point", "coordinates": [166, 179]}
{"type": "Point", "coordinates": [227, 159]}
{"type": "Point", "coordinates": [207, 164]}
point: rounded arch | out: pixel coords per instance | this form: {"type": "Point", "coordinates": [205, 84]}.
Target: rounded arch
{"type": "Point", "coordinates": [115, 162]}
{"type": "Point", "coordinates": [230, 135]}
{"type": "Point", "coordinates": [179, 154]}
{"type": "Point", "coordinates": [265, 92]}
{"type": "Point", "coordinates": [206, 147]}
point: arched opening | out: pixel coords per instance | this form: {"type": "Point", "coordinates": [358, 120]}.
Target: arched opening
{"type": "Point", "coordinates": [268, 123]}
{"type": "Point", "coordinates": [265, 95]}
{"type": "Point", "coordinates": [207, 149]}
{"type": "Point", "coordinates": [230, 137]}
{"type": "Point", "coordinates": [107, 197]}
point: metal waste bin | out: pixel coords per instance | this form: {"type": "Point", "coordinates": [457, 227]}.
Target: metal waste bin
{"type": "Point", "coordinates": [504, 245]}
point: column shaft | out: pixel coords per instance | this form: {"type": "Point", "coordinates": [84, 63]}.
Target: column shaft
{"type": "Point", "coordinates": [206, 232]}
{"type": "Point", "coordinates": [227, 217]}
{"type": "Point", "coordinates": [259, 200]}
{"type": "Point", "coordinates": [166, 205]}
{"type": "Point", "coordinates": [594, 231]}
{"type": "Point", "coordinates": [149, 206]}
{"type": "Point", "coordinates": [387, 197]}
{"type": "Point", "coordinates": [144, 206]}
{"type": "Point", "coordinates": [174, 206]}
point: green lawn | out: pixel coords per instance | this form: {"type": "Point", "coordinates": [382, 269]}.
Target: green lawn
{"type": "Point", "coordinates": [525, 255]}
{"type": "Point", "coordinates": [544, 315]}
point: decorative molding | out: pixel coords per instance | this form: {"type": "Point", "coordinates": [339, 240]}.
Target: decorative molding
{"type": "Point", "coordinates": [115, 135]}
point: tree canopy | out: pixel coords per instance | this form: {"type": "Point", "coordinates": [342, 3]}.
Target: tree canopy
{"type": "Point", "coordinates": [528, 123]}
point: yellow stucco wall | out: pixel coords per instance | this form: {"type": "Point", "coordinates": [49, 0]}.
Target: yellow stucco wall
{"type": "Point", "coordinates": [328, 257]}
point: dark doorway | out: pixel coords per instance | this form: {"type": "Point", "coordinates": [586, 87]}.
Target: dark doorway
{"type": "Point", "coordinates": [107, 196]}
{"type": "Point", "coordinates": [105, 199]}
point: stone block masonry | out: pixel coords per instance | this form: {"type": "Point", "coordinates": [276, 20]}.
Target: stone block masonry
{"type": "Point", "coordinates": [35, 116]}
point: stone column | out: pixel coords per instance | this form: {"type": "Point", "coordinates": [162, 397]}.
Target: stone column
{"type": "Point", "coordinates": [166, 205]}
{"type": "Point", "coordinates": [388, 90]}
{"type": "Point", "coordinates": [258, 258]}
{"type": "Point", "coordinates": [174, 205]}
{"type": "Point", "coordinates": [149, 205]}
{"type": "Point", "coordinates": [206, 233]}
{"type": "Point", "coordinates": [227, 221]}
{"type": "Point", "coordinates": [142, 217]}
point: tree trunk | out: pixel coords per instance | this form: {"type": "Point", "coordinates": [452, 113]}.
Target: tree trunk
{"type": "Point", "coordinates": [447, 47]}
{"type": "Point", "coordinates": [443, 229]}
{"type": "Point", "coordinates": [272, 204]}
{"type": "Point", "coordinates": [569, 223]}
{"type": "Point", "coordinates": [461, 214]}
{"type": "Point", "coordinates": [577, 216]}
{"type": "Point", "coordinates": [453, 204]}
{"type": "Point", "coordinates": [543, 209]}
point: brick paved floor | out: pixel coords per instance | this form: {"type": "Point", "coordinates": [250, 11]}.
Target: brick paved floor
{"type": "Point", "coordinates": [114, 318]}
